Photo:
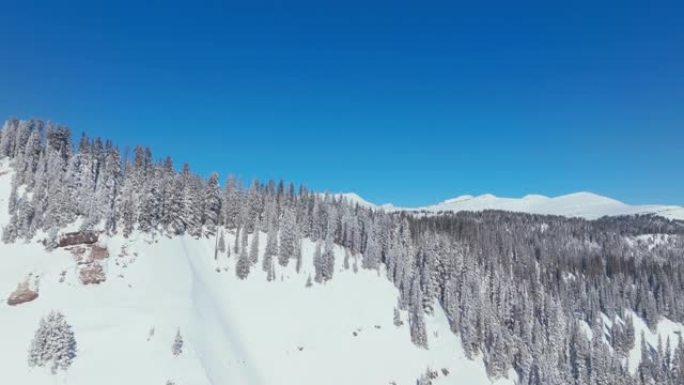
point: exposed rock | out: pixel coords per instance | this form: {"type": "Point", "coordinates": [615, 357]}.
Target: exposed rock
{"type": "Point", "coordinates": [85, 254]}
{"type": "Point", "coordinates": [78, 251]}
{"type": "Point", "coordinates": [92, 273]}
{"type": "Point", "coordinates": [21, 295]}
{"type": "Point", "coordinates": [85, 237]}
{"type": "Point", "coordinates": [98, 253]}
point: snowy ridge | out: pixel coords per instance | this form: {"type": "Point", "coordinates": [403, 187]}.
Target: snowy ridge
{"type": "Point", "coordinates": [582, 204]}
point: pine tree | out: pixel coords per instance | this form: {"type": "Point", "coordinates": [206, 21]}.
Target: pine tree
{"type": "Point", "coordinates": [416, 320]}
{"type": "Point", "coordinates": [8, 139]}
{"type": "Point", "coordinates": [221, 243]}
{"type": "Point", "coordinates": [254, 249]}
{"type": "Point", "coordinates": [174, 218]}
{"type": "Point", "coordinates": [270, 271]}
{"type": "Point", "coordinates": [319, 264]}
{"type": "Point", "coordinates": [328, 259]}
{"type": "Point", "coordinates": [243, 264]}
{"type": "Point", "coordinates": [54, 344]}
{"type": "Point", "coordinates": [397, 318]}
{"type": "Point", "coordinates": [271, 248]}
{"type": "Point", "coordinates": [298, 254]}
{"type": "Point", "coordinates": [288, 237]}
{"type": "Point", "coordinates": [110, 189]}
{"type": "Point", "coordinates": [212, 204]}
{"type": "Point", "coordinates": [371, 255]}
{"type": "Point", "coordinates": [177, 347]}
{"type": "Point", "coordinates": [231, 203]}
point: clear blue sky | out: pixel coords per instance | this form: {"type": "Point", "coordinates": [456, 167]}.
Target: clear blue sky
{"type": "Point", "coordinates": [408, 102]}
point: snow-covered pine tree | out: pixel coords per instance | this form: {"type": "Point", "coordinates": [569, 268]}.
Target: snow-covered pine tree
{"type": "Point", "coordinates": [288, 236]}
{"type": "Point", "coordinates": [319, 263]}
{"type": "Point", "coordinates": [298, 254]}
{"type": "Point", "coordinates": [270, 270]}
{"type": "Point", "coordinates": [109, 188]}
{"type": "Point", "coordinates": [221, 246]}
{"type": "Point", "coordinates": [371, 254]}
{"type": "Point", "coordinates": [253, 248]}
{"type": "Point", "coordinates": [396, 319]}
{"type": "Point", "coordinates": [212, 204]}
{"type": "Point", "coordinates": [192, 202]}
{"type": "Point", "coordinates": [271, 249]}
{"type": "Point", "coordinates": [243, 264]}
{"type": "Point", "coordinates": [231, 203]}
{"type": "Point", "coordinates": [53, 344]}
{"type": "Point", "coordinates": [174, 219]}
{"type": "Point", "coordinates": [328, 258]}
{"type": "Point", "coordinates": [416, 319]}
{"type": "Point", "coordinates": [177, 347]}
{"type": "Point", "coordinates": [9, 136]}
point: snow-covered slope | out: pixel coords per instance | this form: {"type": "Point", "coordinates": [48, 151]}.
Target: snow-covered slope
{"type": "Point", "coordinates": [235, 332]}
{"type": "Point", "coordinates": [583, 204]}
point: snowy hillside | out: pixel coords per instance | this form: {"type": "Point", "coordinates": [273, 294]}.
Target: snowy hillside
{"type": "Point", "coordinates": [583, 204]}
{"type": "Point", "coordinates": [234, 331]}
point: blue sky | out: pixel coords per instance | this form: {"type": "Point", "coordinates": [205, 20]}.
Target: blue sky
{"type": "Point", "coordinates": [404, 102]}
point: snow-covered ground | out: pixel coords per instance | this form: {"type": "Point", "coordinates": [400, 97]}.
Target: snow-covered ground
{"type": "Point", "coordinates": [235, 332]}
{"type": "Point", "coordinates": [582, 204]}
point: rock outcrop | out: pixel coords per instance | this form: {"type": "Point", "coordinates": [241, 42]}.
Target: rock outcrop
{"type": "Point", "coordinates": [85, 237]}
{"type": "Point", "coordinates": [21, 295]}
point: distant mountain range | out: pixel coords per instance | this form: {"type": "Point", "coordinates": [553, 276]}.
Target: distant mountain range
{"type": "Point", "coordinates": [581, 204]}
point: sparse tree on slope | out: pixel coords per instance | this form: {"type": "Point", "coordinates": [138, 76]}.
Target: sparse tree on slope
{"type": "Point", "coordinates": [54, 344]}
{"type": "Point", "coordinates": [177, 347]}
{"type": "Point", "coordinates": [243, 264]}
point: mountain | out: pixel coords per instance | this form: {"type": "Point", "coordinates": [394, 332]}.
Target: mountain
{"type": "Point", "coordinates": [582, 204]}
{"type": "Point", "coordinates": [128, 270]}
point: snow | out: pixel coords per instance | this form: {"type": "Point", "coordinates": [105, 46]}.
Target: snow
{"type": "Point", "coordinates": [234, 331]}
{"type": "Point", "coordinates": [581, 204]}
{"type": "Point", "coordinates": [664, 329]}
{"type": "Point", "coordinates": [353, 198]}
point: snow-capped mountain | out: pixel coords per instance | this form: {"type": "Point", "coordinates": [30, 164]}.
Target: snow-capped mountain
{"type": "Point", "coordinates": [582, 204]}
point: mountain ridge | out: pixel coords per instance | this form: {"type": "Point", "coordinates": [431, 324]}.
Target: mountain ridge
{"type": "Point", "coordinates": [582, 204]}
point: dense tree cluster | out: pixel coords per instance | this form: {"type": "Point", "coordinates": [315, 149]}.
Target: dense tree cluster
{"type": "Point", "coordinates": [518, 288]}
